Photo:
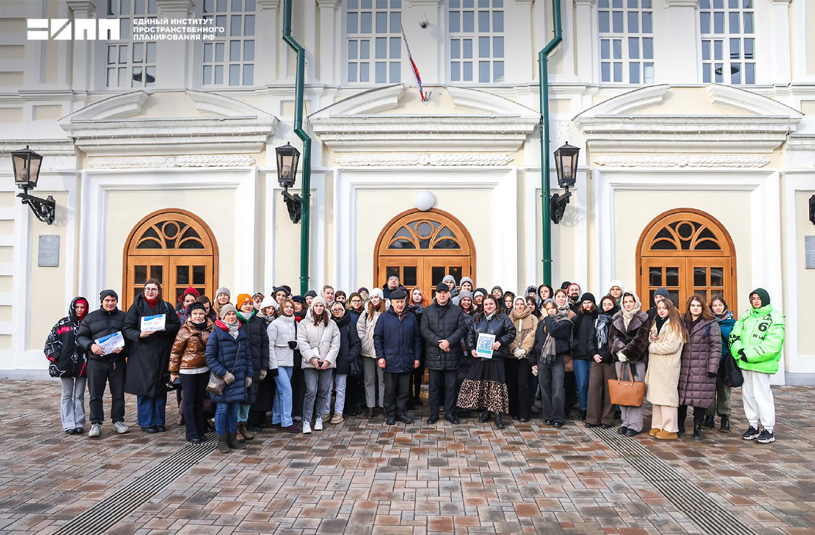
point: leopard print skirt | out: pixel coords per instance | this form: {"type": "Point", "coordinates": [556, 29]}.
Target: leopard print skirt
{"type": "Point", "coordinates": [485, 388]}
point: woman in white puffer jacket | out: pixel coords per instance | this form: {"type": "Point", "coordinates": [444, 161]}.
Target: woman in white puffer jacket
{"type": "Point", "coordinates": [282, 343]}
{"type": "Point", "coordinates": [318, 339]}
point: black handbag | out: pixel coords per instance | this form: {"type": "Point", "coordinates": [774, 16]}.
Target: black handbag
{"type": "Point", "coordinates": [730, 373]}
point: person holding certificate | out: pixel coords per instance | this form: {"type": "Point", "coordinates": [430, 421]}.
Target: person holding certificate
{"type": "Point", "coordinates": [485, 388]}
{"type": "Point", "coordinates": [151, 325]}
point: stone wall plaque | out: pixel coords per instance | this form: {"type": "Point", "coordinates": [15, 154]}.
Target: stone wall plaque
{"type": "Point", "coordinates": [809, 251]}
{"type": "Point", "coordinates": [48, 251]}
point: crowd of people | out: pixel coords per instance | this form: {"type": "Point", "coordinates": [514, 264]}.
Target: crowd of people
{"type": "Point", "coordinates": [298, 363]}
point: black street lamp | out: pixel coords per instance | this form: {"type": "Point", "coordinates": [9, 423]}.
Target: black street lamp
{"type": "Point", "coordinates": [288, 158]}
{"type": "Point", "coordinates": [566, 167]}
{"type": "Point", "coordinates": [27, 164]}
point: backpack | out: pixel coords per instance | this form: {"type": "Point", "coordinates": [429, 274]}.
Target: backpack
{"type": "Point", "coordinates": [730, 373]}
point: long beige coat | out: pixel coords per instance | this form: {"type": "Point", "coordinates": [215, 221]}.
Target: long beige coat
{"type": "Point", "coordinates": [664, 362]}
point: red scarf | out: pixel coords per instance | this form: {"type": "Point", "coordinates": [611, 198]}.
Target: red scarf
{"type": "Point", "coordinates": [152, 303]}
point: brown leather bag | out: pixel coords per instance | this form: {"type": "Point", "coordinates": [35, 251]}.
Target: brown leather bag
{"type": "Point", "coordinates": [627, 393]}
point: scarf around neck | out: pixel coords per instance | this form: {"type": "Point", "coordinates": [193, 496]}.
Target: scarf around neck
{"type": "Point", "coordinates": [233, 328]}
{"type": "Point", "coordinates": [629, 314]}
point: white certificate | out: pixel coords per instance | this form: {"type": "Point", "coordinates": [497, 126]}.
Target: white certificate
{"type": "Point", "coordinates": [111, 342]}
{"type": "Point", "coordinates": [483, 348]}
{"type": "Point", "coordinates": [153, 323]}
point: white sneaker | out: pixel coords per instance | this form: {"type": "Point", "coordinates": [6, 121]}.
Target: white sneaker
{"type": "Point", "coordinates": [318, 425]}
{"type": "Point", "coordinates": [96, 430]}
{"type": "Point", "coordinates": [307, 428]}
{"type": "Point", "coordinates": [337, 418]}
{"type": "Point", "coordinates": [120, 428]}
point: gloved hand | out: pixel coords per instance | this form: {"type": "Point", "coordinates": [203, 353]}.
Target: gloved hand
{"type": "Point", "coordinates": [744, 359]}
{"type": "Point", "coordinates": [711, 375]}
{"type": "Point", "coordinates": [519, 353]}
{"type": "Point", "coordinates": [273, 372]}
{"type": "Point", "coordinates": [292, 344]}
{"type": "Point", "coordinates": [248, 382]}
{"type": "Point", "coordinates": [622, 357]}
{"type": "Point", "coordinates": [262, 374]}
{"type": "Point", "coordinates": [229, 378]}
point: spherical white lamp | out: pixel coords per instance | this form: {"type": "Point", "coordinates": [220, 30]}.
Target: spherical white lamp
{"type": "Point", "coordinates": [424, 200]}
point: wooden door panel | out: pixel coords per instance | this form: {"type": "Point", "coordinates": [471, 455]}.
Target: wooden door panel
{"type": "Point", "coordinates": [436, 268]}
{"type": "Point", "coordinates": [189, 271]}
{"type": "Point", "coordinates": [667, 272]}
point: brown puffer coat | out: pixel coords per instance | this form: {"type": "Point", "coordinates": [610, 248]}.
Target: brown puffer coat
{"type": "Point", "coordinates": [700, 355]}
{"type": "Point", "coordinates": [632, 341]}
{"type": "Point", "coordinates": [190, 347]}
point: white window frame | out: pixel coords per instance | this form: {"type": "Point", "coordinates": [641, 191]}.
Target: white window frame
{"type": "Point", "coordinates": [458, 40]}
{"type": "Point", "coordinates": [121, 56]}
{"type": "Point", "coordinates": [365, 70]}
{"type": "Point", "coordinates": [722, 41]}
{"type": "Point", "coordinates": [622, 47]}
{"type": "Point", "coordinates": [215, 72]}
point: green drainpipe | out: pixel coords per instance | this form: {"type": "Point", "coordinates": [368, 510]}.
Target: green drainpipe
{"type": "Point", "coordinates": [543, 80]}
{"type": "Point", "coordinates": [298, 129]}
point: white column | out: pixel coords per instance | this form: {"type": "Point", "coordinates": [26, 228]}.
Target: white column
{"type": "Point", "coordinates": [780, 40]}
{"type": "Point", "coordinates": [173, 58]}
{"type": "Point", "coordinates": [83, 51]}
{"type": "Point", "coordinates": [329, 61]}
{"type": "Point", "coordinates": [267, 42]}
{"type": "Point", "coordinates": [586, 41]}
{"type": "Point", "coordinates": [677, 54]}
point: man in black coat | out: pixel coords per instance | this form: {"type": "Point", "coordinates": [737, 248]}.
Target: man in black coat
{"type": "Point", "coordinates": [442, 328]}
{"type": "Point", "coordinates": [398, 350]}
{"type": "Point", "coordinates": [104, 368]}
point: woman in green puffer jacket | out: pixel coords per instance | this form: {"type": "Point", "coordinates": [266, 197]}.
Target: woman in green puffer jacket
{"type": "Point", "coordinates": [756, 343]}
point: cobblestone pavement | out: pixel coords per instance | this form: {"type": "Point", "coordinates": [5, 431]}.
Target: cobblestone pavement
{"type": "Point", "coordinates": [362, 477]}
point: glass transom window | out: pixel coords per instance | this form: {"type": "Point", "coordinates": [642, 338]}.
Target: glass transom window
{"type": "Point", "coordinates": [374, 41]}
{"type": "Point", "coordinates": [626, 41]}
{"type": "Point", "coordinates": [229, 59]}
{"type": "Point", "coordinates": [130, 63]}
{"type": "Point", "coordinates": [728, 41]}
{"type": "Point", "coordinates": [476, 29]}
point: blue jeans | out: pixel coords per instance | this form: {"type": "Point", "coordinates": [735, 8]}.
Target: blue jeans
{"type": "Point", "coordinates": [553, 394]}
{"type": "Point", "coordinates": [582, 369]}
{"type": "Point", "coordinates": [226, 417]}
{"type": "Point", "coordinates": [281, 410]}
{"type": "Point", "coordinates": [150, 411]}
{"type": "Point", "coordinates": [318, 387]}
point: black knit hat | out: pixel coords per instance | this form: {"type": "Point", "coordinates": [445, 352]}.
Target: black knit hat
{"type": "Point", "coordinates": [106, 293]}
{"type": "Point", "coordinates": [196, 306]}
{"type": "Point", "coordinates": [310, 293]}
{"type": "Point", "coordinates": [588, 297]}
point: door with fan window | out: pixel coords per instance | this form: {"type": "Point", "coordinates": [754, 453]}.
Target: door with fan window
{"type": "Point", "coordinates": [421, 248]}
{"type": "Point", "coordinates": [175, 247]}
{"type": "Point", "coordinates": [687, 252]}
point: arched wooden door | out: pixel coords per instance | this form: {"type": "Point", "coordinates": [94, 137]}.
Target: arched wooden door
{"type": "Point", "coordinates": [687, 251]}
{"type": "Point", "coordinates": [175, 247]}
{"type": "Point", "coordinates": [421, 248]}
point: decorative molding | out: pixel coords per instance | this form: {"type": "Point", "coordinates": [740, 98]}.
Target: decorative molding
{"type": "Point", "coordinates": [84, 8]}
{"type": "Point", "coordinates": [692, 133]}
{"type": "Point", "coordinates": [681, 160]}
{"type": "Point", "coordinates": [166, 7]}
{"type": "Point", "coordinates": [207, 102]}
{"type": "Point", "coordinates": [372, 101]}
{"type": "Point", "coordinates": [749, 101]}
{"type": "Point", "coordinates": [628, 102]}
{"type": "Point", "coordinates": [268, 4]}
{"type": "Point", "coordinates": [424, 159]}
{"type": "Point", "coordinates": [164, 162]}
{"type": "Point", "coordinates": [118, 106]}
{"type": "Point", "coordinates": [799, 152]}
{"type": "Point", "coordinates": [43, 147]}
{"type": "Point", "coordinates": [486, 102]}
{"type": "Point", "coordinates": [681, 3]}
{"type": "Point", "coordinates": [432, 133]}
{"type": "Point", "coordinates": [328, 4]}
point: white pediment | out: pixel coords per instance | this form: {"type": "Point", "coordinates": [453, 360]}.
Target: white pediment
{"type": "Point", "coordinates": [730, 120]}
{"type": "Point", "coordinates": [457, 119]}
{"type": "Point", "coordinates": [207, 123]}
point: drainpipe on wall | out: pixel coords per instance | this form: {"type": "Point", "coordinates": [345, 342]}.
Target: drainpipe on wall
{"type": "Point", "coordinates": [543, 80]}
{"type": "Point", "coordinates": [298, 129]}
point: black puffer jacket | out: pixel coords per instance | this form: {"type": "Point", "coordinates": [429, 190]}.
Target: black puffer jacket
{"type": "Point", "coordinates": [561, 331]}
{"type": "Point", "coordinates": [255, 330]}
{"type": "Point", "coordinates": [500, 325]}
{"type": "Point", "coordinates": [584, 334]}
{"type": "Point", "coordinates": [442, 323]}
{"type": "Point", "coordinates": [65, 357]}
{"type": "Point", "coordinates": [101, 323]}
{"type": "Point", "coordinates": [350, 345]}
{"type": "Point", "coordinates": [149, 361]}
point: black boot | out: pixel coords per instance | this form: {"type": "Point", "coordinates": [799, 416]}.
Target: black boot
{"type": "Point", "coordinates": [697, 429]}
{"type": "Point", "coordinates": [583, 415]}
{"type": "Point", "coordinates": [725, 427]}
{"type": "Point", "coordinates": [223, 444]}
{"type": "Point", "coordinates": [233, 442]}
{"type": "Point", "coordinates": [485, 417]}
{"type": "Point", "coordinates": [499, 421]}
{"type": "Point", "coordinates": [710, 422]}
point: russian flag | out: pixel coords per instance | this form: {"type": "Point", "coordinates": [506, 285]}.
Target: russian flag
{"type": "Point", "coordinates": [413, 64]}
